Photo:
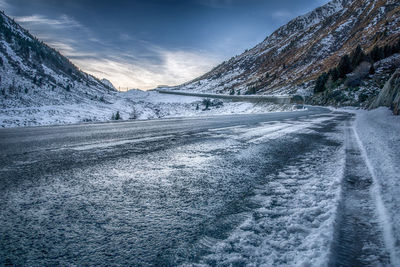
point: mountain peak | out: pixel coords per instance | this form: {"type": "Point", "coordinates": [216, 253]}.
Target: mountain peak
{"type": "Point", "coordinates": [308, 45]}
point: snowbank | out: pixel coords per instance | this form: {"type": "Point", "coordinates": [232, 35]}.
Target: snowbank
{"type": "Point", "coordinates": [379, 131]}
{"type": "Point", "coordinates": [134, 104]}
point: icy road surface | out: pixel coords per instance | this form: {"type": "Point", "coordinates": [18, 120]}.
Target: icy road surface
{"type": "Point", "coordinates": [264, 189]}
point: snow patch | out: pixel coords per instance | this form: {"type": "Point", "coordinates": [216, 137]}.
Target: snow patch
{"type": "Point", "coordinates": [377, 131]}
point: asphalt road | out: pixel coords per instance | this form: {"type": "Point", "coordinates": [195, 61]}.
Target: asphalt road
{"type": "Point", "coordinates": [171, 192]}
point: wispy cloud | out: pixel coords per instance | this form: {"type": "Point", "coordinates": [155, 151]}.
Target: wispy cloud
{"type": "Point", "coordinates": [61, 32]}
{"type": "Point", "coordinates": [172, 68]}
{"type": "Point", "coordinates": [63, 21]}
{"type": "Point", "coordinates": [4, 5]}
{"type": "Point", "coordinates": [63, 46]}
{"type": "Point", "coordinates": [68, 48]}
{"type": "Point", "coordinates": [182, 66]}
{"type": "Point", "coordinates": [125, 37]}
{"type": "Point", "coordinates": [145, 69]}
{"type": "Point", "coordinates": [283, 15]}
{"type": "Point", "coordinates": [215, 3]}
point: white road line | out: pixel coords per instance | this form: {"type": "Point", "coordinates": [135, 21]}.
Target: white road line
{"type": "Point", "coordinates": [227, 128]}
{"type": "Point", "coordinates": [116, 143]}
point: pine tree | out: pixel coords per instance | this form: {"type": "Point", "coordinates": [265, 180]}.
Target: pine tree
{"type": "Point", "coordinates": [252, 90]}
{"type": "Point", "coordinates": [344, 66]}
{"type": "Point", "coordinates": [117, 116]}
{"type": "Point", "coordinates": [396, 48]}
{"type": "Point", "coordinates": [372, 69]}
{"type": "Point", "coordinates": [320, 83]}
{"type": "Point", "coordinates": [387, 50]}
{"type": "Point", "coordinates": [381, 53]}
{"type": "Point", "coordinates": [357, 57]}
{"type": "Point", "coordinates": [334, 73]}
{"type": "Point", "coordinates": [206, 103]}
{"type": "Point", "coordinates": [374, 54]}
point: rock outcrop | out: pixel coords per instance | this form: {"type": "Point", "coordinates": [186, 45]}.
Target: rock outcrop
{"type": "Point", "coordinates": [390, 94]}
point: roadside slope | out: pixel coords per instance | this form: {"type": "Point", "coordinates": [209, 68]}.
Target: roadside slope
{"type": "Point", "coordinates": [378, 133]}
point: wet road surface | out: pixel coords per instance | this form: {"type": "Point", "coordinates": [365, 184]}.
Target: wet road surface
{"type": "Point", "coordinates": [238, 190]}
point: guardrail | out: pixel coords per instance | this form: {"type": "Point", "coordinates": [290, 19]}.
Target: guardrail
{"type": "Point", "coordinates": [238, 98]}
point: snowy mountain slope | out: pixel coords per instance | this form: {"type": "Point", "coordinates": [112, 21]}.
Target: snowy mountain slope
{"type": "Point", "coordinates": [108, 83]}
{"type": "Point", "coordinates": [299, 51]}
{"type": "Point", "coordinates": [33, 74]}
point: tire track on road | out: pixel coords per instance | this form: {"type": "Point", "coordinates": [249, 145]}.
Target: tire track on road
{"type": "Point", "coordinates": [359, 239]}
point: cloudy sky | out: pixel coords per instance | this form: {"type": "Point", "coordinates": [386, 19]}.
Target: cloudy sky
{"type": "Point", "coordinates": [145, 43]}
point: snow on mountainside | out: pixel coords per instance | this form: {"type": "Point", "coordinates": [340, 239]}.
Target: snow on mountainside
{"type": "Point", "coordinates": [295, 54]}
{"type": "Point", "coordinates": [108, 83]}
{"type": "Point", "coordinates": [33, 74]}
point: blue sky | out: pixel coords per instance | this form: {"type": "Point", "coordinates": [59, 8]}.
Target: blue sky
{"type": "Point", "coordinates": [145, 43]}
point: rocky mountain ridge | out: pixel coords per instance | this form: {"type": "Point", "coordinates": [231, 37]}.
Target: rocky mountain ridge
{"type": "Point", "coordinates": [290, 59]}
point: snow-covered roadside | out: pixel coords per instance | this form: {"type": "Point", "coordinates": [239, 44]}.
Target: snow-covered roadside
{"type": "Point", "coordinates": [378, 131]}
{"type": "Point", "coordinates": [293, 224]}
{"type": "Point", "coordinates": [134, 104]}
